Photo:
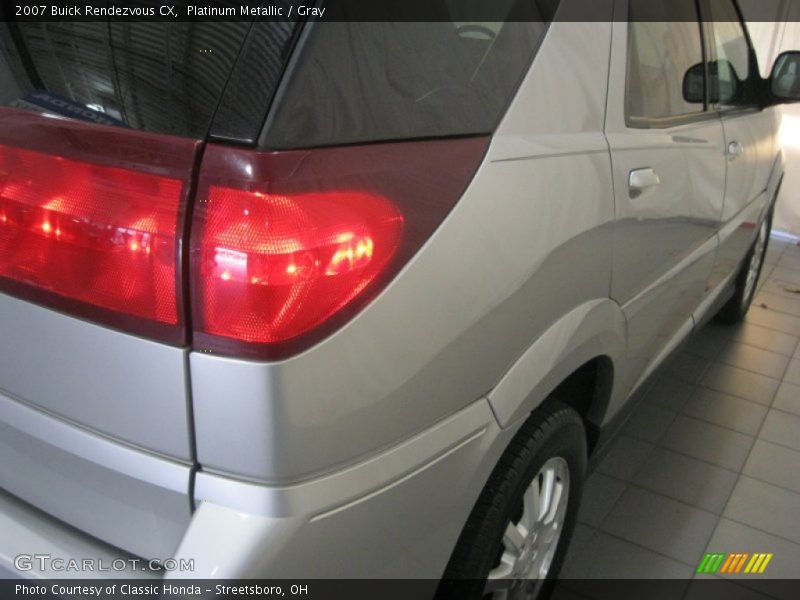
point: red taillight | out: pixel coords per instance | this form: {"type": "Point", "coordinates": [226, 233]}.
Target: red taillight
{"type": "Point", "coordinates": [94, 234]}
{"type": "Point", "coordinates": [271, 267]}
{"type": "Point", "coordinates": [90, 221]}
{"type": "Point", "coordinates": [287, 246]}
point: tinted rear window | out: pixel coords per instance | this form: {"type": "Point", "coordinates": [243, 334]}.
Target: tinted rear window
{"type": "Point", "coordinates": [360, 82]}
{"type": "Point", "coordinates": [158, 77]}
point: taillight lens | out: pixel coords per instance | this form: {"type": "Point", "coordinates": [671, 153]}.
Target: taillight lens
{"type": "Point", "coordinates": [98, 235]}
{"type": "Point", "coordinates": [90, 221]}
{"type": "Point", "coordinates": [271, 267]}
{"type": "Point", "coordinates": [286, 246]}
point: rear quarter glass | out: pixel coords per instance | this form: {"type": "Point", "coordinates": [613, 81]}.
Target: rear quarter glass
{"type": "Point", "coordinates": [360, 82]}
{"type": "Point", "coordinates": [150, 76]}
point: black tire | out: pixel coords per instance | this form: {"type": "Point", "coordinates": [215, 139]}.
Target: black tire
{"type": "Point", "coordinates": [736, 308]}
{"type": "Point", "coordinates": [555, 430]}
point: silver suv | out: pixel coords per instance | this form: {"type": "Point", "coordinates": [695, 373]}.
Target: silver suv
{"type": "Point", "coordinates": [358, 299]}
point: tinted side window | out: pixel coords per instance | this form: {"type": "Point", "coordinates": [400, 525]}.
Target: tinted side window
{"type": "Point", "coordinates": [732, 71]}
{"type": "Point", "coordinates": [664, 42]}
{"type": "Point", "coordinates": [373, 81]}
{"type": "Point", "coordinates": [158, 77]}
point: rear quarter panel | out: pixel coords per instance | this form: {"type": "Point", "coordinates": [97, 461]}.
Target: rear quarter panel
{"type": "Point", "coordinates": [528, 242]}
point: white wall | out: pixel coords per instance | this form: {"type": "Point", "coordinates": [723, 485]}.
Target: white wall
{"type": "Point", "coordinates": [770, 39]}
{"type": "Point", "coordinates": [787, 211]}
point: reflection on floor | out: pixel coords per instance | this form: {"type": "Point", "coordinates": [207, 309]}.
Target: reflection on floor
{"type": "Point", "coordinates": [710, 460]}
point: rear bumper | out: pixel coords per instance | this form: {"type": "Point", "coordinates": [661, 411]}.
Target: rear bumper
{"type": "Point", "coordinates": [28, 535]}
{"type": "Point", "coordinates": [127, 497]}
{"type": "Point", "coordinates": [394, 515]}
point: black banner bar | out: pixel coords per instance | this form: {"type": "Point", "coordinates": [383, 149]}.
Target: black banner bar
{"type": "Point", "coordinates": [470, 11]}
{"type": "Point", "coordinates": [743, 588]}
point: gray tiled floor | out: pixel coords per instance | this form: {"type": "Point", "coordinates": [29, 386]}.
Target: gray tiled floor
{"type": "Point", "coordinates": [710, 459]}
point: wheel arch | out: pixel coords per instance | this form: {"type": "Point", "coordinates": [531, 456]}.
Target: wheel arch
{"type": "Point", "coordinates": [574, 362]}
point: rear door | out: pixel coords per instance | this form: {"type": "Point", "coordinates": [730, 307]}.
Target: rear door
{"type": "Point", "coordinates": [668, 162]}
{"type": "Point", "coordinates": [749, 132]}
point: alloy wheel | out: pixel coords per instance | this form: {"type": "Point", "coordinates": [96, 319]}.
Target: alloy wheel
{"type": "Point", "coordinates": [755, 263]}
{"type": "Point", "coordinates": [530, 542]}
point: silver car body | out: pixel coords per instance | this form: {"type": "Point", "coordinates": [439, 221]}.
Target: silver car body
{"type": "Point", "coordinates": [382, 435]}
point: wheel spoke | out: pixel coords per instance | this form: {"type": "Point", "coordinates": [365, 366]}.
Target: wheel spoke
{"type": "Point", "coordinates": [502, 575]}
{"type": "Point", "coordinates": [551, 530]}
{"type": "Point", "coordinates": [548, 483]}
{"type": "Point", "coordinates": [558, 489]}
{"type": "Point", "coordinates": [498, 587]}
{"type": "Point", "coordinates": [542, 564]}
{"type": "Point", "coordinates": [514, 539]}
{"type": "Point", "coordinates": [531, 502]}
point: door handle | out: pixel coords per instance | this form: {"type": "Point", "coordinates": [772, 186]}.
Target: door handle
{"type": "Point", "coordinates": [640, 180]}
{"type": "Point", "coordinates": [735, 149]}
